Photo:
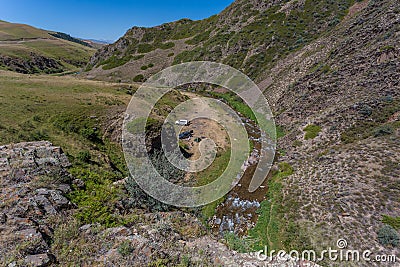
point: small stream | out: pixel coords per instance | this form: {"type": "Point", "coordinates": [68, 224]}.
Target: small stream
{"type": "Point", "coordinates": [238, 211]}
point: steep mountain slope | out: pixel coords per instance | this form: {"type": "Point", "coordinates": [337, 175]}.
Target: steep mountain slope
{"type": "Point", "coordinates": [27, 49]}
{"type": "Point", "coordinates": [331, 76]}
{"type": "Point", "coordinates": [346, 164]}
{"type": "Point", "coordinates": [248, 35]}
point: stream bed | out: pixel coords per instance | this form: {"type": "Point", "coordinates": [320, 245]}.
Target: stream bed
{"type": "Point", "coordinates": [237, 213]}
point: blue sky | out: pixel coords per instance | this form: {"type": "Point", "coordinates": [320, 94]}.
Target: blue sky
{"type": "Point", "coordinates": [102, 19]}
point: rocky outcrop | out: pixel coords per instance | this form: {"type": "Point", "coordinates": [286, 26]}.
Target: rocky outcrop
{"type": "Point", "coordinates": [34, 64]}
{"type": "Point", "coordinates": [34, 182]}
{"type": "Point", "coordinates": [162, 239]}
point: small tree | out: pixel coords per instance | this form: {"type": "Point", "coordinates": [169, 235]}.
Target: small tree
{"type": "Point", "coordinates": [139, 198]}
{"type": "Point", "coordinates": [387, 235]}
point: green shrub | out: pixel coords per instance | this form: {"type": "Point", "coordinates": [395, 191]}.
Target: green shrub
{"type": "Point", "coordinates": [39, 135]}
{"type": "Point", "coordinates": [166, 45]}
{"type": "Point", "coordinates": [114, 61]}
{"type": "Point", "coordinates": [37, 118]}
{"type": "Point", "coordinates": [144, 48]}
{"type": "Point", "coordinates": [311, 131]}
{"type": "Point", "coordinates": [365, 110]}
{"type": "Point", "coordinates": [184, 261]}
{"type": "Point", "coordinates": [387, 48]}
{"type": "Point", "coordinates": [89, 68]}
{"type": "Point", "coordinates": [125, 248]}
{"type": "Point", "coordinates": [138, 198]}
{"type": "Point", "coordinates": [143, 67]}
{"type": "Point", "coordinates": [387, 235]}
{"type": "Point", "coordinates": [84, 156]}
{"type": "Point", "coordinates": [392, 221]}
{"type": "Point", "coordinates": [297, 143]}
{"type": "Point", "coordinates": [237, 103]}
{"type": "Point", "coordinates": [236, 243]}
{"type": "Point", "coordinates": [91, 133]}
{"type": "Point", "coordinates": [159, 263]}
{"type": "Point", "coordinates": [383, 130]}
{"type": "Point", "coordinates": [203, 36]}
{"type": "Point", "coordinates": [320, 68]}
{"type": "Point", "coordinates": [285, 169]}
{"type": "Point", "coordinates": [280, 131]}
{"type": "Point", "coordinates": [295, 237]}
{"type": "Point", "coordinates": [96, 203]}
{"type": "Point", "coordinates": [138, 78]}
{"type": "Point", "coordinates": [376, 125]}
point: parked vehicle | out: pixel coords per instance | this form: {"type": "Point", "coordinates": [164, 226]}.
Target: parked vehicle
{"type": "Point", "coordinates": [186, 134]}
{"type": "Point", "coordinates": [182, 122]}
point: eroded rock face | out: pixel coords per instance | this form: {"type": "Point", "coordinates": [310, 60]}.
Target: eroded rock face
{"type": "Point", "coordinates": [34, 181]}
{"type": "Point", "coordinates": [35, 64]}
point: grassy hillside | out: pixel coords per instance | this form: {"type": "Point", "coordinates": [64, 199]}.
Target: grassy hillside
{"type": "Point", "coordinates": [75, 115]}
{"type": "Point", "coordinates": [69, 112]}
{"type": "Point", "coordinates": [26, 49]}
{"type": "Point", "coordinates": [15, 32]}
{"type": "Point", "coordinates": [85, 119]}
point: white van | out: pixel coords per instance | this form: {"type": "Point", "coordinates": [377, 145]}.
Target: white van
{"type": "Point", "coordinates": [182, 122]}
